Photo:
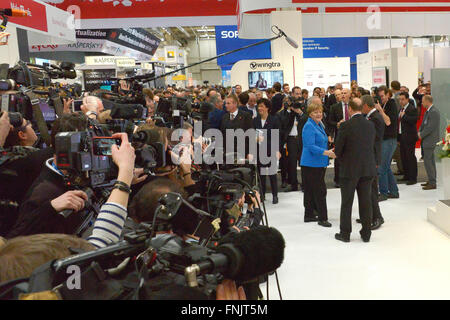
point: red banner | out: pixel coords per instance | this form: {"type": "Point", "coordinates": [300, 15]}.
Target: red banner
{"type": "Point", "coordinates": [99, 9]}
{"type": "Point", "coordinates": [37, 17]}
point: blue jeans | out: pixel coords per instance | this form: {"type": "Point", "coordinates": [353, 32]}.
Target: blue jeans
{"type": "Point", "coordinates": [387, 181]}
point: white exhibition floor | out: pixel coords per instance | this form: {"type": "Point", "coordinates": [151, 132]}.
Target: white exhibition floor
{"type": "Point", "coordinates": [407, 258]}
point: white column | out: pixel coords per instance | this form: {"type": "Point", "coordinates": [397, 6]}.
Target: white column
{"type": "Point", "coordinates": [409, 47]}
{"type": "Point", "coordinates": [291, 59]}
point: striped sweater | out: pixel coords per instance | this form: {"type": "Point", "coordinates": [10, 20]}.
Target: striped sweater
{"type": "Point", "coordinates": [109, 225]}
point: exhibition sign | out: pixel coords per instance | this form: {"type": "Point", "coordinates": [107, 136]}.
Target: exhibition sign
{"type": "Point", "coordinates": [135, 43]}
{"type": "Point", "coordinates": [227, 39]}
{"type": "Point", "coordinates": [325, 72]}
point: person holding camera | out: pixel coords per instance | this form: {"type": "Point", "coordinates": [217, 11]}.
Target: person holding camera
{"type": "Point", "coordinates": [49, 194]}
{"type": "Point", "coordinates": [20, 165]}
{"type": "Point", "coordinates": [292, 121]}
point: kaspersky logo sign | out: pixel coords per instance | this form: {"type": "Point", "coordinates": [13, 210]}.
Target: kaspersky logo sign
{"type": "Point", "coordinates": [265, 65]}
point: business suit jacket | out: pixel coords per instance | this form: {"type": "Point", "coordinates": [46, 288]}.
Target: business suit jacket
{"type": "Point", "coordinates": [379, 125]}
{"type": "Point", "coordinates": [430, 128]}
{"type": "Point", "coordinates": [409, 123]}
{"type": "Point", "coordinates": [355, 148]}
{"type": "Point", "coordinates": [334, 117]}
{"type": "Point", "coordinates": [272, 123]}
{"type": "Point", "coordinates": [277, 102]}
{"type": "Point", "coordinates": [287, 120]}
{"type": "Point", "coordinates": [243, 120]}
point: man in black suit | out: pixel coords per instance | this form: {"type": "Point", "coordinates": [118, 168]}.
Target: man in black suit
{"type": "Point", "coordinates": [277, 99]}
{"type": "Point", "coordinates": [355, 148]}
{"type": "Point", "coordinates": [372, 114]}
{"type": "Point", "coordinates": [407, 136]}
{"type": "Point", "coordinates": [235, 119]}
{"type": "Point", "coordinates": [338, 114]}
{"type": "Point", "coordinates": [293, 118]}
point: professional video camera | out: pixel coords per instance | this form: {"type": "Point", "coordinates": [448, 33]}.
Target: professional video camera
{"type": "Point", "coordinates": [27, 89]}
{"type": "Point", "coordinates": [108, 274]}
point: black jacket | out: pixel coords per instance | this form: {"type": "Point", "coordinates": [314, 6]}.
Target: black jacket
{"type": "Point", "coordinates": [243, 120]}
{"type": "Point", "coordinates": [335, 115]}
{"type": "Point", "coordinates": [36, 214]}
{"type": "Point", "coordinates": [408, 123]}
{"type": "Point", "coordinates": [390, 109]}
{"type": "Point", "coordinates": [272, 123]}
{"type": "Point", "coordinates": [287, 120]}
{"type": "Point", "coordinates": [379, 124]}
{"type": "Point", "coordinates": [355, 148]}
{"type": "Point", "coordinates": [277, 102]}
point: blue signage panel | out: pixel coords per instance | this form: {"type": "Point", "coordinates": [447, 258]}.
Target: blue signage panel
{"type": "Point", "coordinates": [335, 47]}
{"type": "Point", "coordinates": [227, 39]}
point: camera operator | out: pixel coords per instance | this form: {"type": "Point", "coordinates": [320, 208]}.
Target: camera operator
{"type": "Point", "coordinates": [149, 102]}
{"type": "Point", "coordinates": [20, 165]}
{"type": "Point", "coordinates": [19, 256]}
{"type": "Point", "coordinates": [49, 194]}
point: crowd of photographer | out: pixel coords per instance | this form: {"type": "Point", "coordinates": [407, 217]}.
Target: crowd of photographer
{"type": "Point", "coordinates": [112, 172]}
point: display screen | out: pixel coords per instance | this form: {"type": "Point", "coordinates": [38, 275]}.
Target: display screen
{"type": "Point", "coordinates": [264, 79]}
{"type": "Point", "coordinates": [102, 146]}
{"type": "Point", "coordinates": [76, 105]}
{"type": "Point", "coordinates": [47, 111]}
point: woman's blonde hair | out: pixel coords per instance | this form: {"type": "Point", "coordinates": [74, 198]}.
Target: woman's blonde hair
{"type": "Point", "coordinates": [313, 107]}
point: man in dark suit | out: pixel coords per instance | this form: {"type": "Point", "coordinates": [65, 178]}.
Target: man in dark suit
{"type": "Point", "coordinates": [429, 133]}
{"type": "Point", "coordinates": [355, 148]}
{"type": "Point", "coordinates": [372, 114]}
{"type": "Point", "coordinates": [338, 114]}
{"type": "Point", "coordinates": [293, 118]}
{"type": "Point", "coordinates": [235, 119]}
{"type": "Point", "coordinates": [277, 99]}
{"type": "Point", "coordinates": [407, 136]}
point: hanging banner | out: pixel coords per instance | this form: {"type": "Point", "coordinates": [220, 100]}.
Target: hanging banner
{"type": "Point", "coordinates": [94, 79]}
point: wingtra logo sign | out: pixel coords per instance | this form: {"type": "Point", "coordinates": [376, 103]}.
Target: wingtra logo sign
{"type": "Point", "coordinates": [265, 65]}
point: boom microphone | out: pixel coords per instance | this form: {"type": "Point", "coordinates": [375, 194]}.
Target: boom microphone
{"type": "Point", "coordinates": [246, 255]}
{"type": "Point", "coordinates": [13, 12]}
{"type": "Point", "coordinates": [289, 40]}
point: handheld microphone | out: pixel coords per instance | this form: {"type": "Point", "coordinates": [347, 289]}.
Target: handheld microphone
{"type": "Point", "coordinates": [289, 40]}
{"type": "Point", "coordinates": [13, 12]}
{"type": "Point", "coordinates": [246, 255]}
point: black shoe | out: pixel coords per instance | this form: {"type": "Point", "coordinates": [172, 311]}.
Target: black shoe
{"type": "Point", "coordinates": [341, 237]}
{"type": "Point", "coordinates": [393, 196]}
{"type": "Point", "coordinates": [429, 187]}
{"type": "Point", "coordinates": [382, 197]}
{"type": "Point", "coordinates": [358, 220]}
{"type": "Point", "coordinates": [325, 224]}
{"type": "Point", "coordinates": [275, 200]}
{"type": "Point", "coordinates": [411, 182]}
{"type": "Point", "coordinates": [311, 219]}
{"type": "Point", "coordinates": [425, 184]}
{"type": "Point", "coordinates": [376, 224]}
{"type": "Point", "coordinates": [290, 189]}
{"type": "Point", "coordinates": [364, 238]}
